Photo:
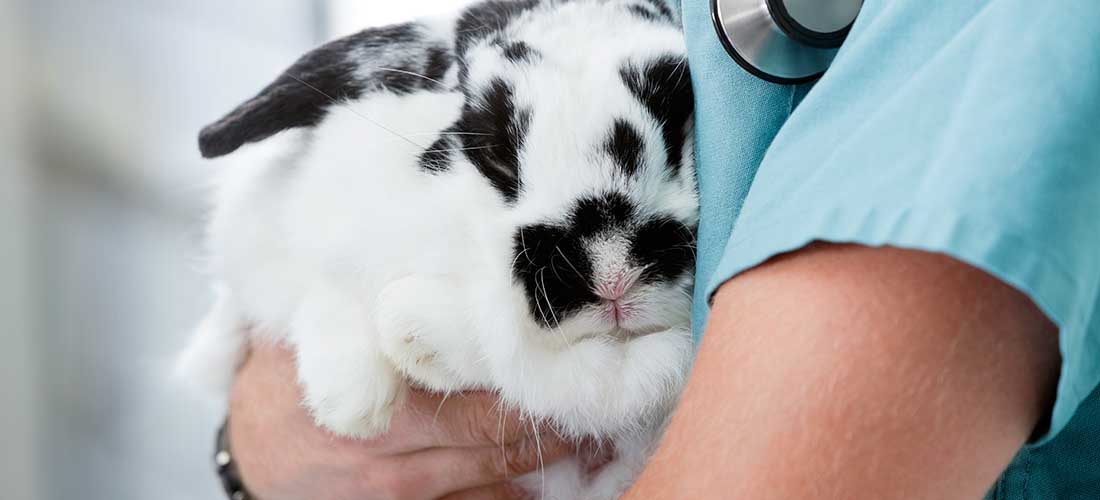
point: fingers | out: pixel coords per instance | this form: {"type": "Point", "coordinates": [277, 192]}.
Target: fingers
{"type": "Point", "coordinates": [460, 469]}
{"type": "Point", "coordinates": [471, 420]}
{"type": "Point", "coordinates": [426, 420]}
{"type": "Point", "coordinates": [269, 367]}
{"type": "Point", "coordinates": [502, 491]}
{"type": "Point", "coordinates": [482, 420]}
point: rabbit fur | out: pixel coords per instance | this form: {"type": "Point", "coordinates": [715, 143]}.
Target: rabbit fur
{"type": "Point", "coordinates": [502, 199]}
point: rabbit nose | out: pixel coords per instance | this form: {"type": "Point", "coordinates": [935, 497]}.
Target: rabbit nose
{"type": "Point", "coordinates": [617, 287]}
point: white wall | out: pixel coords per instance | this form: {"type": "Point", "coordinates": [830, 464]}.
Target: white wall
{"type": "Point", "coordinates": [101, 190]}
{"type": "Point", "coordinates": [117, 91]}
{"type": "Point", "coordinates": [349, 16]}
{"type": "Point", "coordinates": [17, 367]}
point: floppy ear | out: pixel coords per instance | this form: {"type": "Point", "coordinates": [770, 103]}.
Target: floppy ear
{"type": "Point", "coordinates": [401, 59]}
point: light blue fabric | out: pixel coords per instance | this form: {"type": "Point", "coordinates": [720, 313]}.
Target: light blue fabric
{"type": "Point", "coordinates": [737, 115]}
{"type": "Point", "coordinates": [969, 127]}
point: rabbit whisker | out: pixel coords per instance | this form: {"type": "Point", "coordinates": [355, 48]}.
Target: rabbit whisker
{"type": "Point", "coordinates": [558, 248]}
{"type": "Point", "coordinates": [410, 73]}
{"type": "Point", "coordinates": [433, 134]}
{"type": "Point", "coordinates": [451, 150]}
{"type": "Point", "coordinates": [373, 122]}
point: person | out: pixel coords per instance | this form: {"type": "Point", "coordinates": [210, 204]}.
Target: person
{"type": "Point", "coordinates": [898, 280]}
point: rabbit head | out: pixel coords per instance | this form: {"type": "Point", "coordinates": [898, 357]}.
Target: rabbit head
{"type": "Point", "coordinates": [587, 145]}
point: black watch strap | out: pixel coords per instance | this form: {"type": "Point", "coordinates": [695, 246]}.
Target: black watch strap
{"type": "Point", "coordinates": [227, 467]}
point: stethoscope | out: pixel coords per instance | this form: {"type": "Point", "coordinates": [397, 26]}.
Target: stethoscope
{"type": "Point", "coordinates": [784, 41]}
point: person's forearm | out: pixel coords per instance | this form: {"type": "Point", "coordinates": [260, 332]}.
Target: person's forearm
{"type": "Point", "coordinates": [845, 372]}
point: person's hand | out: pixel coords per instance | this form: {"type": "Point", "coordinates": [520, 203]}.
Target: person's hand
{"type": "Point", "coordinates": [463, 447]}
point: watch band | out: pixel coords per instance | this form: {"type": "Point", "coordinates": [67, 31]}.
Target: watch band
{"type": "Point", "coordinates": [227, 467]}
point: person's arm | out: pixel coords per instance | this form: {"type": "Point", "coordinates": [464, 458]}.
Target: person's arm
{"type": "Point", "coordinates": [456, 448]}
{"type": "Point", "coordinates": [847, 372]}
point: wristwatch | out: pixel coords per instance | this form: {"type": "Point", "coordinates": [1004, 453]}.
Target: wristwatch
{"type": "Point", "coordinates": [227, 467]}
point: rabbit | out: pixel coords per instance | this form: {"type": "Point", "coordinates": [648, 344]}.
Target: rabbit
{"type": "Point", "coordinates": [503, 199]}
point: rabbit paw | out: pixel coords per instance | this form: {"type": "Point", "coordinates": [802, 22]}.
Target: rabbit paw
{"type": "Point", "coordinates": [356, 405]}
{"type": "Point", "coordinates": [414, 317]}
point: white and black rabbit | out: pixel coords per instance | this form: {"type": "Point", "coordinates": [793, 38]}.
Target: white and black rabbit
{"type": "Point", "coordinates": [503, 199]}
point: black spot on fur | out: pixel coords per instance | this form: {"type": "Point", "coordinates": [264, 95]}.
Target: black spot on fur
{"type": "Point", "coordinates": [463, 74]}
{"type": "Point", "coordinates": [626, 146]}
{"type": "Point", "coordinates": [401, 80]}
{"type": "Point", "coordinates": [439, 62]}
{"type": "Point", "coordinates": [330, 74]}
{"type": "Point", "coordinates": [662, 9]}
{"type": "Point", "coordinates": [519, 52]}
{"type": "Point", "coordinates": [665, 247]}
{"type": "Point", "coordinates": [437, 158]}
{"type": "Point", "coordinates": [597, 214]}
{"type": "Point", "coordinates": [653, 10]}
{"type": "Point", "coordinates": [494, 131]}
{"type": "Point", "coordinates": [385, 35]}
{"type": "Point", "coordinates": [488, 19]}
{"type": "Point", "coordinates": [643, 13]}
{"type": "Point", "coordinates": [663, 85]}
{"type": "Point", "coordinates": [553, 267]}
{"type": "Point", "coordinates": [552, 263]}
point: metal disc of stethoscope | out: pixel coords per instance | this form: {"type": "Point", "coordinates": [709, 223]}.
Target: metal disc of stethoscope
{"type": "Point", "coordinates": [784, 41]}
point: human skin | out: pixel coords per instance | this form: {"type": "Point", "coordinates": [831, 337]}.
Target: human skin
{"type": "Point", "coordinates": [847, 372]}
{"type": "Point", "coordinates": [458, 448]}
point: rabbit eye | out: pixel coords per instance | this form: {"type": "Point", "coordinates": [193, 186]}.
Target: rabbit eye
{"type": "Point", "coordinates": [665, 247]}
{"type": "Point", "coordinates": [518, 51]}
{"type": "Point", "coordinates": [495, 129]}
{"type": "Point", "coordinates": [663, 86]}
{"type": "Point", "coordinates": [626, 147]}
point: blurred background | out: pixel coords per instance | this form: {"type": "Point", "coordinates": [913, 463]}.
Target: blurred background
{"type": "Point", "coordinates": [101, 204]}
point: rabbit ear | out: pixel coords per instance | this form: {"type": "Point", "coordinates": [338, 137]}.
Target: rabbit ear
{"type": "Point", "coordinates": [488, 19]}
{"type": "Point", "coordinates": [401, 59]}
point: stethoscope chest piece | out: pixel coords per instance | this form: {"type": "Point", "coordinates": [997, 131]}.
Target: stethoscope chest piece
{"type": "Point", "coordinates": [784, 41]}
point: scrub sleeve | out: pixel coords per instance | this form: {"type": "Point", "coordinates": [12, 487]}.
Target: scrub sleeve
{"type": "Point", "coordinates": [969, 127]}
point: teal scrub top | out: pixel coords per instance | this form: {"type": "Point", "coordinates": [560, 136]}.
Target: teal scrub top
{"type": "Point", "coordinates": [967, 127]}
